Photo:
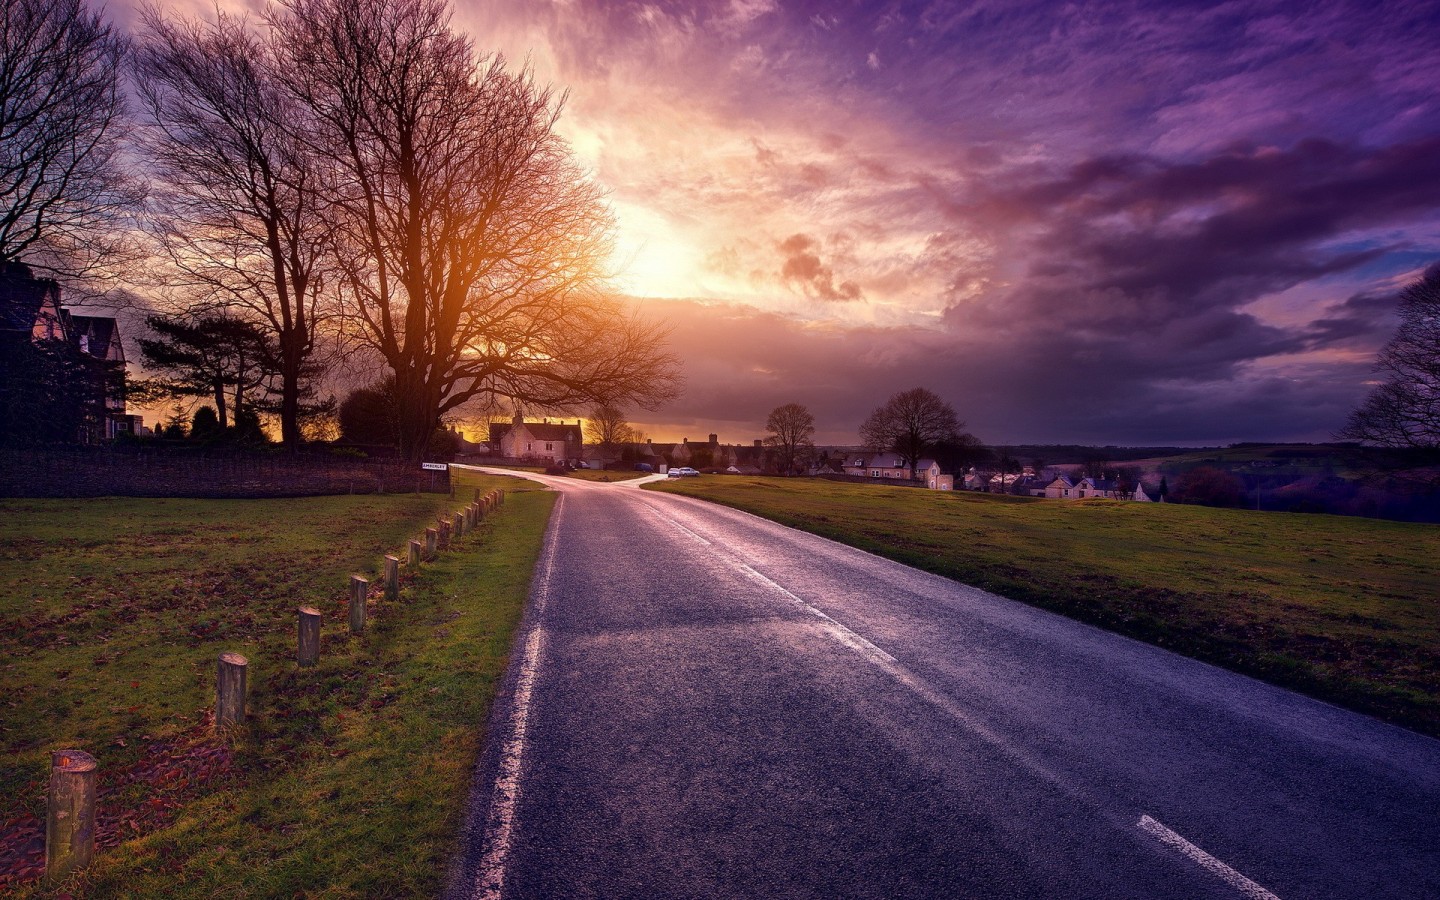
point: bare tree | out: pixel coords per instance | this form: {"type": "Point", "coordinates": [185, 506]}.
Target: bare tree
{"type": "Point", "coordinates": [791, 431]}
{"type": "Point", "coordinates": [909, 424]}
{"type": "Point", "coordinates": [607, 426]}
{"type": "Point", "coordinates": [472, 246]}
{"type": "Point", "coordinates": [1404, 409]}
{"type": "Point", "coordinates": [63, 192]}
{"type": "Point", "coordinates": [237, 206]}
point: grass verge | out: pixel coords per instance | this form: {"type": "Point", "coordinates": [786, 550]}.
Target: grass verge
{"type": "Point", "coordinates": [348, 779]}
{"type": "Point", "coordinates": [1345, 609]}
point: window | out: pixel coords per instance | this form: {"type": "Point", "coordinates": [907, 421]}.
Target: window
{"type": "Point", "coordinates": [548, 447]}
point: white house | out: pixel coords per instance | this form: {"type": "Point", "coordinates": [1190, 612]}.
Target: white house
{"type": "Point", "coordinates": [1060, 489]}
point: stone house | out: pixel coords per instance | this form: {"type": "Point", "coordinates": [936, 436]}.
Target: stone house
{"type": "Point", "coordinates": [545, 441]}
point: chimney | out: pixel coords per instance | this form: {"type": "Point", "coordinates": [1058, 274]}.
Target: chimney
{"type": "Point", "coordinates": [647, 442]}
{"type": "Point", "coordinates": [758, 442]}
{"type": "Point", "coordinates": [518, 420]}
{"type": "Point", "coordinates": [714, 439]}
{"type": "Point", "coordinates": [684, 440]}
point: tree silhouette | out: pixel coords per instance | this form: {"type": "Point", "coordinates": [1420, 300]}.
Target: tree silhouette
{"type": "Point", "coordinates": [237, 200]}
{"type": "Point", "coordinates": [607, 427]}
{"type": "Point", "coordinates": [1404, 409]}
{"type": "Point", "coordinates": [63, 193]}
{"type": "Point", "coordinates": [910, 423]}
{"type": "Point", "coordinates": [223, 359]}
{"type": "Point", "coordinates": [791, 430]}
{"type": "Point", "coordinates": [470, 246]}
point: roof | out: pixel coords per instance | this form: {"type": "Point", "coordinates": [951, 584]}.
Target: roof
{"type": "Point", "coordinates": [884, 461]}
{"type": "Point", "coordinates": [101, 334]}
{"type": "Point", "coordinates": [22, 297]}
{"type": "Point", "coordinates": [540, 431]}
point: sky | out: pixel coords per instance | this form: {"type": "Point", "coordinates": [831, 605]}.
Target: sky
{"type": "Point", "coordinates": [1145, 223]}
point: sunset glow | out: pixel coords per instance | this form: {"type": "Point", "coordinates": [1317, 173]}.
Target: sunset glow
{"type": "Point", "coordinates": [1114, 223]}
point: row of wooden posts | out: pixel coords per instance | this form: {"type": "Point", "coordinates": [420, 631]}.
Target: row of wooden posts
{"type": "Point", "coordinates": [70, 801]}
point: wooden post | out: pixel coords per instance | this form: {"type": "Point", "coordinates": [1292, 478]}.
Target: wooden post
{"type": "Point", "coordinates": [414, 554]}
{"type": "Point", "coordinates": [477, 494]}
{"type": "Point", "coordinates": [230, 690]}
{"type": "Point", "coordinates": [457, 525]}
{"type": "Point", "coordinates": [308, 633]}
{"type": "Point", "coordinates": [432, 541]}
{"type": "Point", "coordinates": [69, 814]}
{"type": "Point", "coordinates": [359, 593]}
{"type": "Point", "coordinates": [392, 578]}
{"type": "Point", "coordinates": [443, 527]}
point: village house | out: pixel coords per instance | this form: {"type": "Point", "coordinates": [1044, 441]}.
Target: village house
{"type": "Point", "coordinates": [31, 311]}
{"type": "Point", "coordinates": [1062, 488]}
{"type": "Point", "coordinates": [893, 465]}
{"type": "Point", "coordinates": [542, 441]}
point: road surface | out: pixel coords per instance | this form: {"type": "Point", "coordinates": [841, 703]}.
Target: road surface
{"type": "Point", "coordinates": [703, 703]}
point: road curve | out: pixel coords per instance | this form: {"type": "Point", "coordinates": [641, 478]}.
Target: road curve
{"type": "Point", "coordinates": [702, 703]}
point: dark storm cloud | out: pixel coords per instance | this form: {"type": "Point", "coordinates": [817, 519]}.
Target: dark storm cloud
{"type": "Point", "coordinates": [1138, 271]}
{"type": "Point", "coordinates": [841, 373]}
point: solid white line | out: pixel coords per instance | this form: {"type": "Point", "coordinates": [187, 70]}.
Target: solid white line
{"type": "Point", "coordinates": [1207, 862]}
{"type": "Point", "coordinates": [490, 878]}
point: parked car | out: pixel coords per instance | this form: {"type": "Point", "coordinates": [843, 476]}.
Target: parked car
{"type": "Point", "coordinates": [644, 467]}
{"type": "Point", "coordinates": [683, 472]}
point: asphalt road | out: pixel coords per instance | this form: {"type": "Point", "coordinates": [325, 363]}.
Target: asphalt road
{"type": "Point", "coordinates": [702, 703]}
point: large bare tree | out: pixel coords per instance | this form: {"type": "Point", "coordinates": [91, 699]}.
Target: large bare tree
{"type": "Point", "coordinates": [63, 191]}
{"type": "Point", "coordinates": [472, 245]}
{"type": "Point", "coordinates": [791, 430]}
{"type": "Point", "coordinates": [1404, 409]}
{"type": "Point", "coordinates": [910, 424]}
{"type": "Point", "coordinates": [237, 204]}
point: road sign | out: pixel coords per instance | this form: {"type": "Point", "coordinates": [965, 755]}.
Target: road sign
{"type": "Point", "coordinates": [435, 467]}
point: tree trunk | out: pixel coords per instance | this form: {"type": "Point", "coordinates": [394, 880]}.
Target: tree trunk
{"type": "Point", "coordinates": [290, 405]}
{"type": "Point", "coordinates": [220, 403]}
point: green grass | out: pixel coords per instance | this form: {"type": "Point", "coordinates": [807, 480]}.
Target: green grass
{"type": "Point", "coordinates": [1346, 609]}
{"type": "Point", "coordinates": [349, 778]}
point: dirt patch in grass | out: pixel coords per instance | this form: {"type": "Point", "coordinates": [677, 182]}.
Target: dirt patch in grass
{"type": "Point", "coordinates": [1344, 609]}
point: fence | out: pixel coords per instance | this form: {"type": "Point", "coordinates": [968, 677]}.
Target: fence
{"type": "Point", "coordinates": [103, 472]}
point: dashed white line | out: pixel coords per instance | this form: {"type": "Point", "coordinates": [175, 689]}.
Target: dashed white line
{"type": "Point", "coordinates": [490, 878]}
{"type": "Point", "coordinates": [1207, 862]}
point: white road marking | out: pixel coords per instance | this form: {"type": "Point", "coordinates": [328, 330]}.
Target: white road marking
{"type": "Point", "coordinates": [1207, 862]}
{"type": "Point", "coordinates": [490, 878]}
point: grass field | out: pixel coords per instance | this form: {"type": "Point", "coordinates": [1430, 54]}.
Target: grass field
{"type": "Point", "coordinates": [1345, 609]}
{"type": "Point", "coordinates": [348, 778]}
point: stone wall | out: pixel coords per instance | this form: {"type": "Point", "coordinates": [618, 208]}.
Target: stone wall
{"type": "Point", "coordinates": [103, 472]}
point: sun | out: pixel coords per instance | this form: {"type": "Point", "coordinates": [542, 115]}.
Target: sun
{"type": "Point", "coordinates": [653, 257]}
